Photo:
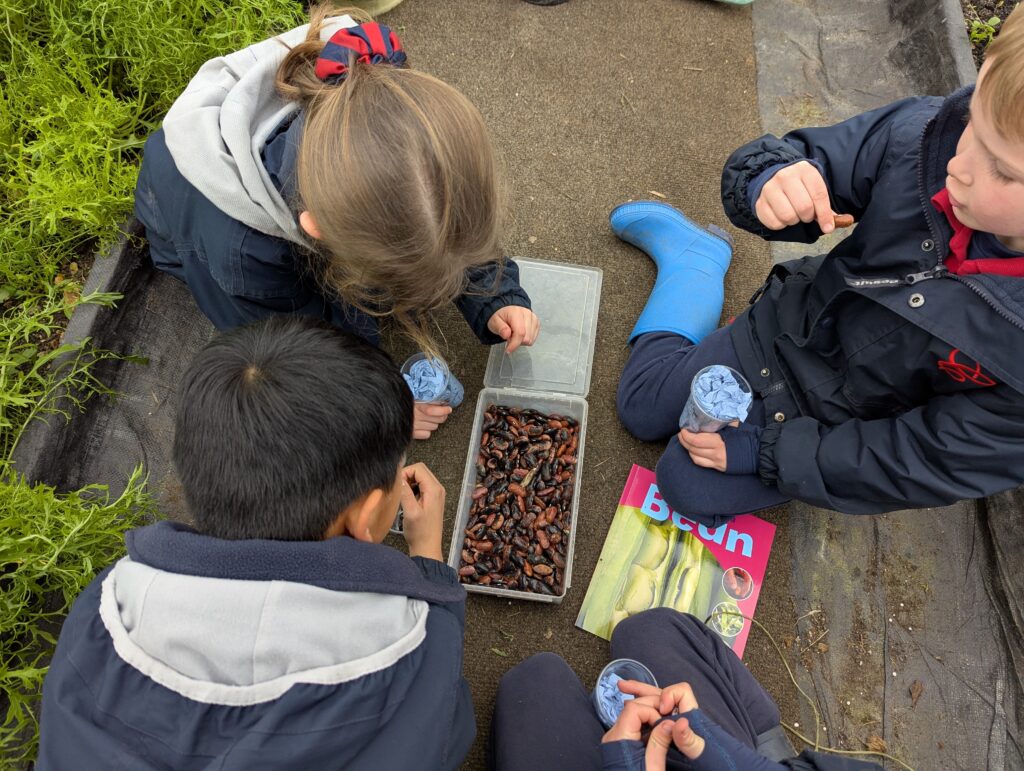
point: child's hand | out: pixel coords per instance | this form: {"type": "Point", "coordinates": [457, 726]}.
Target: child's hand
{"type": "Point", "coordinates": [423, 509]}
{"type": "Point", "coordinates": [670, 732]}
{"type": "Point", "coordinates": [636, 715]}
{"type": "Point", "coordinates": [706, 449]}
{"type": "Point", "coordinates": [673, 700]}
{"type": "Point", "coordinates": [795, 194]}
{"type": "Point", "coordinates": [517, 325]}
{"type": "Point", "coordinates": [426, 418]}
{"type": "Point", "coordinates": [651, 705]}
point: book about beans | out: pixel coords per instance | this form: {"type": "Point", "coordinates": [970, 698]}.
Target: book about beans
{"type": "Point", "coordinates": [655, 557]}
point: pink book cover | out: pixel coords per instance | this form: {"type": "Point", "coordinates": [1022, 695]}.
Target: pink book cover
{"type": "Point", "coordinates": [655, 557]}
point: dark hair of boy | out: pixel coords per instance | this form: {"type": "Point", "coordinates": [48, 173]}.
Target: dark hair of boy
{"type": "Point", "coordinates": [284, 423]}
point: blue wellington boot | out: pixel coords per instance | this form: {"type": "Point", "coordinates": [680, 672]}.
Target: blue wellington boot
{"type": "Point", "coordinates": [688, 294]}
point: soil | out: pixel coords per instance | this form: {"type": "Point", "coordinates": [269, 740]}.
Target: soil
{"type": "Point", "coordinates": [984, 10]}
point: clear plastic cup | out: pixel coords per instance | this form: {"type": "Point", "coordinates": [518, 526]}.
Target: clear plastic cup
{"type": "Point", "coordinates": [398, 526]}
{"type": "Point", "coordinates": [700, 417]}
{"type": "Point", "coordinates": [442, 387]}
{"type": "Point", "coordinates": [627, 669]}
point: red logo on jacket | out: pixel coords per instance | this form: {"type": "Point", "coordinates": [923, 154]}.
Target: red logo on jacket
{"type": "Point", "coordinates": [961, 372]}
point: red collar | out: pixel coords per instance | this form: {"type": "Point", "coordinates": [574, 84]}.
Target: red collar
{"type": "Point", "coordinates": [959, 244]}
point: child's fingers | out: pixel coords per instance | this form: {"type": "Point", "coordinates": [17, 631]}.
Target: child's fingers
{"type": "Point", "coordinates": [765, 214]}
{"type": "Point", "coordinates": [822, 206]}
{"type": "Point", "coordinates": [702, 452]}
{"type": "Point", "coordinates": [534, 330]}
{"type": "Point", "coordinates": [429, 426]}
{"type": "Point", "coordinates": [429, 421]}
{"type": "Point", "coordinates": [629, 726]}
{"type": "Point", "coordinates": [431, 490]}
{"type": "Point", "coordinates": [656, 754]}
{"type": "Point", "coordinates": [817, 190]}
{"type": "Point", "coordinates": [800, 200]}
{"type": "Point", "coordinates": [703, 462]}
{"type": "Point", "coordinates": [516, 338]}
{"type": "Point", "coordinates": [778, 200]}
{"type": "Point", "coordinates": [499, 326]}
{"type": "Point", "coordinates": [427, 417]}
{"type": "Point", "coordinates": [686, 741]}
{"type": "Point", "coordinates": [700, 440]}
{"type": "Point", "coordinates": [410, 504]}
{"type": "Point", "coordinates": [429, 411]}
{"type": "Point", "coordinates": [678, 697]}
{"type": "Point", "coordinates": [638, 688]}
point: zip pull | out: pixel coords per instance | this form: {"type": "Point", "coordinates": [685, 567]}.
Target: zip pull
{"type": "Point", "coordinates": [937, 272]}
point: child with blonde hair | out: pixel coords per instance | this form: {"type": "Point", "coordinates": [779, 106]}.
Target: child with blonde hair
{"type": "Point", "coordinates": [888, 373]}
{"type": "Point", "coordinates": [315, 174]}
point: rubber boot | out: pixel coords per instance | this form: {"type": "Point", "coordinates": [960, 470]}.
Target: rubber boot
{"type": "Point", "coordinates": [688, 294]}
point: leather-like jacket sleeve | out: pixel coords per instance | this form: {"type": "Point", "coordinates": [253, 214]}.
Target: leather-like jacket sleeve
{"type": "Point", "coordinates": [955, 447]}
{"type": "Point", "coordinates": [490, 288]}
{"type": "Point", "coordinates": [851, 153]}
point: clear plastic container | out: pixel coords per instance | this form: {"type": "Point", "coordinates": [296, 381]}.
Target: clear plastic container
{"type": "Point", "coordinates": [448, 391]}
{"type": "Point", "coordinates": [570, 406]}
{"type": "Point", "coordinates": [627, 669]}
{"type": "Point", "coordinates": [398, 526]}
{"type": "Point", "coordinates": [552, 376]}
{"type": "Point", "coordinates": [696, 415]}
{"type": "Point", "coordinates": [566, 298]}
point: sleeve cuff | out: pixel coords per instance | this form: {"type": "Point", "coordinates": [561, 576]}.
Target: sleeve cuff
{"type": "Point", "coordinates": [489, 291]}
{"type": "Point", "coordinates": [438, 572]}
{"type": "Point", "coordinates": [623, 755]}
{"type": "Point", "coordinates": [767, 466]}
{"type": "Point", "coordinates": [742, 444]}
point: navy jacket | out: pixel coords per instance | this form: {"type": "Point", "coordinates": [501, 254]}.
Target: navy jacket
{"type": "Point", "coordinates": [154, 670]}
{"type": "Point", "coordinates": [889, 382]}
{"type": "Point", "coordinates": [239, 275]}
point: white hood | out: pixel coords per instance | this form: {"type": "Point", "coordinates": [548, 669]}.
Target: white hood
{"type": "Point", "coordinates": [235, 642]}
{"type": "Point", "coordinates": [216, 130]}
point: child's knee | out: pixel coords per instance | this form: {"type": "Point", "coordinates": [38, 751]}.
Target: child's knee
{"type": "Point", "coordinates": [680, 484]}
{"type": "Point", "coordinates": [640, 628]}
{"type": "Point", "coordinates": [543, 667]}
{"type": "Point", "coordinates": [636, 412]}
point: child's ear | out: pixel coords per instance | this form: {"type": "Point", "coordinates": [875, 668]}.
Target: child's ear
{"type": "Point", "coordinates": [308, 224]}
{"type": "Point", "coordinates": [364, 522]}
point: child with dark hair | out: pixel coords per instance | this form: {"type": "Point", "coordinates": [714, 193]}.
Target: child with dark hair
{"type": "Point", "coordinates": [278, 632]}
{"type": "Point", "coordinates": [889, 373]}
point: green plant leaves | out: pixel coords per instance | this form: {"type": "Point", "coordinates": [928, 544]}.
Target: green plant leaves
{"type": "Point", "coordinates": [82, 84]}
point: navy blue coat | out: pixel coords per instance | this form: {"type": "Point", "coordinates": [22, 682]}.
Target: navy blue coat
{"type": "Point", "coordinates": [239, 275]}
{"type": "Point", "coordinates": [103, 710]}
{"type": "Point", "coordinates": [889, 382]}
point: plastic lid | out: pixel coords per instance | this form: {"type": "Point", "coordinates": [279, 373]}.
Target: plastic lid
{"type": "Point", "coordinates": [566, 298]}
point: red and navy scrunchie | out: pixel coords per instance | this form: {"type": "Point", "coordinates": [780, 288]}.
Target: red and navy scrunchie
{"type": "Point", "coordinates": [370, 43]}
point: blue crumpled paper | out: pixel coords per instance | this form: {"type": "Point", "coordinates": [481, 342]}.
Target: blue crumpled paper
{"type": "Point", "coordinates": [612, 700]}
{"type": "Point", "coordinates": [430, 383]}
{"type": "Point", "coordinates": [716, 399]}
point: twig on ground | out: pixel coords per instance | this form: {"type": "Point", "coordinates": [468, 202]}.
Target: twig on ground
{"type": "Point", "coordinates": [817, 640]}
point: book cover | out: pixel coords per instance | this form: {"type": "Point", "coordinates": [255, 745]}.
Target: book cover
{"type": "Point", "coordinates": [655, 557]}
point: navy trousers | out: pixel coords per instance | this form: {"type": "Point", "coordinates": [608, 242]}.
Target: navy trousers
{"type": "Point", "coordinates": [652, 391]}
{"type": "Point", "coordinates": [544, 717]}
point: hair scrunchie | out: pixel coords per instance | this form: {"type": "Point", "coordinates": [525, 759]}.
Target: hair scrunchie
{"type": "Point", "coordinates": [370, 43]}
